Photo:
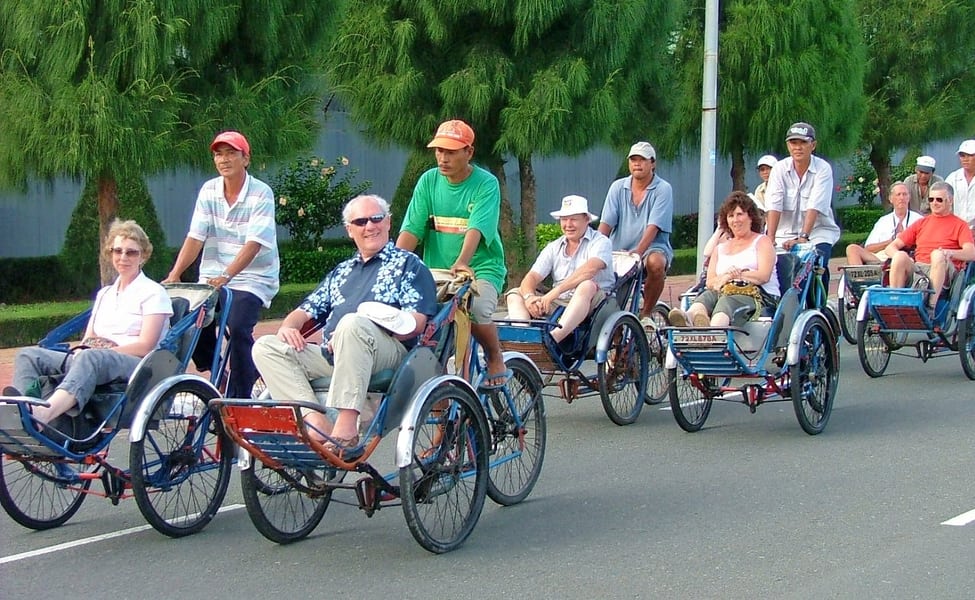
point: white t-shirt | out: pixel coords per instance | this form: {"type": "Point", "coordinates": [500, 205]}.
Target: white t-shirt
{"type": "Point", "coordinates": [883, 230]}
{"type": "Point", "coordinates": [118, 315]}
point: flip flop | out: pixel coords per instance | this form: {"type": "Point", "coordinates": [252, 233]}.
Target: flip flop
{"type": "Point", "coordinates": [504, 377]}
{"type": "Point", "coordinates": [347, 449]}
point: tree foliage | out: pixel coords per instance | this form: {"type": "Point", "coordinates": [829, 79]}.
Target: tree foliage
{"type": "Point", "coordinates": [532, 77]}
{"type": "Point", "coordinates": [121, 88]}
{"type": "Point", "coordinates": [919, 75]}
{"type": "Point", "coordinates": [779, 61]}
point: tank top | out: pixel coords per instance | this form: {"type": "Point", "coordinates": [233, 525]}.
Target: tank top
{"type": "Point", "coordinates": [746, 259]}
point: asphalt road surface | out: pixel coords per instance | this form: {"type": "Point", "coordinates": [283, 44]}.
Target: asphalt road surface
{"type": "Point", "coordinates": [749, 507]}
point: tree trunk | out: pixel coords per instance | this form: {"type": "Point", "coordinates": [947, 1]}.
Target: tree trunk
{"type": "Point", "coordinates": [506, 224]}
{"type": "Point", "coordinates": [738, 169]}
{"type": "Point", "coordinates": [107, 211]}
{"type": "Point", "coordinates": [529, 218]}
{"type": "Point", "coordinates": [880, 160]}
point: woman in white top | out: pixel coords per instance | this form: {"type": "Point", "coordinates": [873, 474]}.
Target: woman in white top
{"type": "Point", "coordinates": [746, 260]}
{"type": "Point", "coordinates": [129, 319]}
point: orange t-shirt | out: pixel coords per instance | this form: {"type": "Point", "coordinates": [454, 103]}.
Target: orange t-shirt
{"type": "Point", "coordinates": [933, 232]}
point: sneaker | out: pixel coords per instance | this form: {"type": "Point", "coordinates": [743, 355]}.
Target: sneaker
{"type": "Point", "coordinates": [648, 323]}
{"type": "Point", "coordinates": [701, 320]}
{"type": "Point", "coordinates": [677, 317]}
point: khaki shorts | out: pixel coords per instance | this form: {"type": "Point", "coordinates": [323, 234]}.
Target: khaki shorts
{"type": "Point", "coordinates": [485, 302]}
{"type": "Point", "coordinates": [598, 297]}
{"type": "Point", "coordinates": [925, 269]}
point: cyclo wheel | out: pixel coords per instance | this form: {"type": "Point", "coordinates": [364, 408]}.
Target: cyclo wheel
{"type": "Point", "coordinates": [279, 510]}
{"type": "Point", "coordinates": [872, 348]}
{"type": "Point", "coordinates": [966, 345]}
{"type": "Point", "coordinates": [848, 321]}
{"type": "Point", "coordinates": [623, 375]}
{"type": "Point", "coordinates": [181, 466]}
{"type": "Point", "coordinates": [661, 314]}
{"type": "Point", "coordinates": [690, 406]}
{"type": "Point", "coordinates": [444, 486]}
{"type": "Point", "coordinates": [814, 377]}
{"type": "Point", "coordinates": [657, 381]}
{"type": "Point", "coordinates": [518, 453]}
{"type": "Point", "coordinates": [34, 495]}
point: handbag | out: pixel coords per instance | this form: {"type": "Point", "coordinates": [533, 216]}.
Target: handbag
{"type": "Point", "coordinates": [738, 287]}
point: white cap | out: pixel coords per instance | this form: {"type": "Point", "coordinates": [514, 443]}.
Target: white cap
{"type": "Point", "coordinates": [768, 160]}
{"type": "Point", "coordinates": [573, 205]}
{"type": "Point", "coordinates": [388, 317]}
{"type": "Point", "coordinates": [643, 149]}
{"type": "Point", "coordinates": [925, 164]}
{"type": "Point", "coordinates": [967, 147]}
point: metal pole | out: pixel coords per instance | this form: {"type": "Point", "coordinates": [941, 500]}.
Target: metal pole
{"type": "Point", "coordinates": [709, 119]}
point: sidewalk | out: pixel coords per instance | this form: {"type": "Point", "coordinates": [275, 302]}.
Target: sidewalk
{"type": "Point", "coordinates": [673, 288]}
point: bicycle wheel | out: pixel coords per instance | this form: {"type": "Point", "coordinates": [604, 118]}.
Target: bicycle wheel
{"type": "Point", "coordinates": [444, 487]}
{"type": "Point", "coordinates": [872, 348]}
{"type": "Point", "coordinates": [181, 466]}
{"type": "Point", "coordinates": [848, 320]}
{"type": "Point", "coordinates": [657, 381]}
{"type": "Point", "coordinates": [518, 452]}
{"type": "Point", "coordinates": [623, 375]}
{"type": "Point", "coordinates": [689, 405]}
{"type": "Point", "coordinates": [34, 495]}
{"type": "Point", "coordinates": [966, 345]}
{"type": "Point", "coordinates": [814, 377]}
{"type": "Point", "coordinates": [660, 314]}
{"type": "Point", "coordinates": [280, 511]}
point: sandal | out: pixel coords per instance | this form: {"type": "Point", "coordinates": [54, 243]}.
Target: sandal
{"type": "Point", "coordinates": [345, 448]}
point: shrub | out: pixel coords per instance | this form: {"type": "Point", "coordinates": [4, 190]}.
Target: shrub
{"type": "Point", "coordinates": [684, 234]}
{"type": "Point", "coordinates": [858, 219]}
{"type": "Point", "coordinates": [310, 266]}
{"type": "Point", "coordinates": [861, 184]}
{"type": "Point", "coordinates": [82, 247]}
{"type": "Point", "coordinates": [310, 197]}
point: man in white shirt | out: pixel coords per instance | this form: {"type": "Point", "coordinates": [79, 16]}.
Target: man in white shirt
{"type": "Point", "coordinates": [961, 182]}
{"type": "Point", "coordinates": [886, 229]}
{"type": "Point", "coordinates": [798, 199]}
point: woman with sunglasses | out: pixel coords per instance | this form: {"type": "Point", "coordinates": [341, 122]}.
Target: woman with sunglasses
{"type": "Point", "coordinates": [128, 320]}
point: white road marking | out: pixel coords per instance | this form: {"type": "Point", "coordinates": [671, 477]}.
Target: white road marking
{"type": "Point", "coordinates": [962, 519]}
{"type": "Point", "coordinates": [90, 540]}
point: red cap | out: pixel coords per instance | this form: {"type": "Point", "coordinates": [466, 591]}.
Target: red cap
{"type": "Point", "coordinates": [234, 139]}
{"type": "Point", "coordinates": [453, 135]}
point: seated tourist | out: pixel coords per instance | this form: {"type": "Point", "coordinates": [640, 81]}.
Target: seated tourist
{"type": "Point", "coordinates": [742, 278]}
{"type": "Point", "coordinates": [885, 229]}
{"type": "Point", "coordinates": [128, 321]}
{"type": "Point", "coordinates": [580, 263]}
{"type": "Point", "coordinates": [942, 244]}
{"type": "Point", "coordinates": [354, 347]}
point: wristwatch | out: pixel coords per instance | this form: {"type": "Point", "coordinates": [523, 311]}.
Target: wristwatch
{"type": "Point", "coordinates": [226, 275]}
{"type": "Point", "coordinates": [803, 236]}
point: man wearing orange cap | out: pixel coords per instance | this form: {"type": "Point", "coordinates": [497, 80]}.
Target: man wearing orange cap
{"type": "Point", "coordinates": [233, 225]}
{"type": "Point", "coordinates": [454, 211]}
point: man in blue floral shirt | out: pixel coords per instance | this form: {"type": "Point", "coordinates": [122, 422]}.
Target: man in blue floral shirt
{"type": "Point", "coordinates": [354, 347]}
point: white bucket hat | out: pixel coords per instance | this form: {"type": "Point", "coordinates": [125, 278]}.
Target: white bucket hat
{"type": "Point", "coordinates": [573, 205]}
{"type": "Point", "coordinates": [388, 317]}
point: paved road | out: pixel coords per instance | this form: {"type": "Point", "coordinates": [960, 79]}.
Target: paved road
{"type": "Point", "coordinates": [749, 507]}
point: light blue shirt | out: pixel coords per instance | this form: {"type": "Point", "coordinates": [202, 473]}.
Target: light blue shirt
{"type": "Point", "coordinates": [628, 222]}
{"type": "Point", "coordinates": [553, 260]}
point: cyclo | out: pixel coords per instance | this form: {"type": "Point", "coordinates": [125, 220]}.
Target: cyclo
{"type": "Point", "coordinates": [889, 319]}
{"type": "Point", "coordinates": [454, 444]}
{"type": "Point", "coordinates": [628, 358]}
{"type": "Point", "coordinates": [854, 279]}
{"type": "Point", "coordinates": [179, 463]}
{"type": "Point", "coordinates": [789, 355]}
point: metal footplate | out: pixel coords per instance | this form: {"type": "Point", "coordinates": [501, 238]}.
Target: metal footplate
{"type": "Point", "coordinates": [15, 438]}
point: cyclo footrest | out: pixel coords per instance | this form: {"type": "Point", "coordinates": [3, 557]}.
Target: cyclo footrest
{"type": "Point", "coordinates": [15, 439]}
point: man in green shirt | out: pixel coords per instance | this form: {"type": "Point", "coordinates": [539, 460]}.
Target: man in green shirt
{"type": "Point", "coordinates": [454, 212]}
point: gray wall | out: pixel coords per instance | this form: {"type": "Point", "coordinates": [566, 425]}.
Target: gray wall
{"type": "Point", "coordinates": [34, 221]}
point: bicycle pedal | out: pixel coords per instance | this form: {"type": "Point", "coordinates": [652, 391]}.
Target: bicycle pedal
{"type": "Point", "coordinates": [569, 389]}
{"type": "Point", "coordinates": [365, 491]}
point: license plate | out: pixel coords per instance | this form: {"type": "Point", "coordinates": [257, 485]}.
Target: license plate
{"type": "Point", "coordinates": [863, 274]}
{"type": "Point", "coordinates": [708, 339]}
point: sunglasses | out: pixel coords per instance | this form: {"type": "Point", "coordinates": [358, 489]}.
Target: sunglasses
{"type": "Point", "coordinates": [937, 200]}
{"type": "Point", "coordinates": [125, 251]}
{"type": "Point", "coordinates": [361, 221]}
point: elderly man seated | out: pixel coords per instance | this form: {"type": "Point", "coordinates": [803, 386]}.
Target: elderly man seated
{"type": "Point", "coordinates": [354, 346]}
{"type": "Point", "coordinates": [885, 229]}
{"type": "Point", "coordinates": [580, 264]}
{"type": "Point", "coordinates": [943, 243]}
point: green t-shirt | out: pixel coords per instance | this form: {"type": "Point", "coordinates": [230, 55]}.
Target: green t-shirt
{"type": "Point", "coordinates": [440, 213]}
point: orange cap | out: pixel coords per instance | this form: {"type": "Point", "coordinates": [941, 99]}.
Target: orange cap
{"type": "Point", "coordinates": [453, 135]}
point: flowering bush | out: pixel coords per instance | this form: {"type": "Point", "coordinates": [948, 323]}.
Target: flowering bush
{"type": "Point", "coordinates": [862, 183]}
{"type": "Point", "coordinates": [310, 196]}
